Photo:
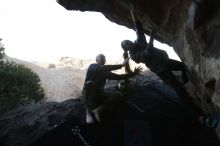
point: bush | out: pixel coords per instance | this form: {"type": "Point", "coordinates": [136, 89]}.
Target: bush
{"type": "Point", "coordinates": [2, 53]}
{"type": "Point", "coordinates": [18, 86]}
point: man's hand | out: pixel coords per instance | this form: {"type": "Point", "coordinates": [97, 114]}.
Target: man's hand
{"type": "Point", "coordinates": [132, 15]}
{"type": "Point", "coordinates": [152, 36]}
{"type": "Point", "coordinates": [125, 54]}
{"type": "Point", "coordinates": [125, 61]}
{"type": "Point", "coordinates": [153, 33]}
{"type": "Point", "coordinates": [138, 70]}
{"type": "Point", "coordinates": [134, 11]}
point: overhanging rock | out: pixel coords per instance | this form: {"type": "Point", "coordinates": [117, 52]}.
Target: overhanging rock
{"type": "Point", "coordinates": [191, 27]}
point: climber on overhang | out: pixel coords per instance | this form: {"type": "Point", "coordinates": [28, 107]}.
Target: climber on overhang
{"type": "Point", "coordinates": [157, 61]}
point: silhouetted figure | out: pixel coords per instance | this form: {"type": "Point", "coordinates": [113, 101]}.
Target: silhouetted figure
{"type": "Point", "coordinates": [97, 100]}
{"type": "Point", "coordinates": [157, 61]}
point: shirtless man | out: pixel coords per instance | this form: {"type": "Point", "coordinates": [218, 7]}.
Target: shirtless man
{"type": "Point", "coordinates": [97, 100]}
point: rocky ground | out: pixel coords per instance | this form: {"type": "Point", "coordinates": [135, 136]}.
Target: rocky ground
{"type": "Point", "coordinates": [153, 115]}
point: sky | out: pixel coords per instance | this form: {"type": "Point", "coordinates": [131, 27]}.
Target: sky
{"type": "Point", "coordinates": [44, 31]}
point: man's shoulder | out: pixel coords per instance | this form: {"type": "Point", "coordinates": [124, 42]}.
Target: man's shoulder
{"type": "Point", "coordinates": [158, 52]}
{"type": "Point", "coordinates": [95, 66]}
{"type": "Point", "coordinates": [140, 44]}
{"type": "Point", "coordinates": [92, 65]}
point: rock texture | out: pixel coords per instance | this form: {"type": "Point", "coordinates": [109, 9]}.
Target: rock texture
{"type": "Point", "coordinates": [153, 115]}
{"type": "Point", "coordinates": [25, 125]}
{"type": "Point", "coordinates": [191, 27]}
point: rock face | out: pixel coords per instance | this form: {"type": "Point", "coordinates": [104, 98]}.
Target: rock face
{"type": "Point", "coordinates": [153, 115]}
{"type": "Point", "coordinates": [191, 27]}
{"type": "Point", "coordinates": [23, 126]}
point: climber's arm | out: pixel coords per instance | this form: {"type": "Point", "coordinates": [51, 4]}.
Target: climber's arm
{"type": "Point", "coordinates": [138, 28]}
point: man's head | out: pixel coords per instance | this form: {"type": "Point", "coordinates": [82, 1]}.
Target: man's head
{"type": "Point", "coordinates": [127, 45]}
{"type": "Point", "coordinates": [100, 59]}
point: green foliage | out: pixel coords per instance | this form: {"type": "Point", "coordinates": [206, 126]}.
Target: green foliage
{"type": "Point", "coordinates": [18, 86]}
{"type": "Point", "coordinates": [2, 53]}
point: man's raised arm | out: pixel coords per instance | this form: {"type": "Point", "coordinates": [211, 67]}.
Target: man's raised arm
{"type": "Point", "coordinates": [138, 27]}
{"type": "Point", "coordinates": [151, 42]}
{"type": "Point", "coordinates": [115, 67]}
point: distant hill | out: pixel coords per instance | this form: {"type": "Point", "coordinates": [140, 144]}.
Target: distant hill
{"type": "Point", "coordinates": [64, 79]}
{"type": "Point", "coordinates": [67, 62]}
{"type": "Point", "coordinates": [59, 83]}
